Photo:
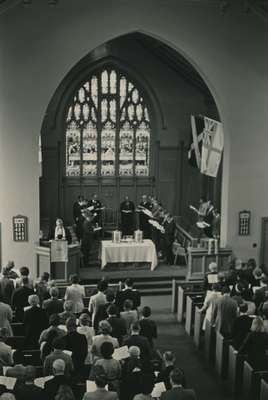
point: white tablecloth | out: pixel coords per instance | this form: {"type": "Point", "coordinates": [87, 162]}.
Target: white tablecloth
{"type": "Point", "coordinates": [128, 252]}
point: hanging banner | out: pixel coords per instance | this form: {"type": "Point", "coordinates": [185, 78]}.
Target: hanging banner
{"type": "Point", "coordinates": [59, 251]}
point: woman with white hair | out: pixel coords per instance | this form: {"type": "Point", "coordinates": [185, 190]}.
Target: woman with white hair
{"type": "Point", "coordinates": [35, 321]}
{"type": "Point", "coordinates": [105, 330]}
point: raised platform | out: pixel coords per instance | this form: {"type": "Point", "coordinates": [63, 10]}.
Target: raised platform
{"type": "Point", "coordinates": [148, 282]}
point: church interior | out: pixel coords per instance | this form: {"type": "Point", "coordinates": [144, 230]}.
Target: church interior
{"type": "Point", "coordinates": [133, 215]}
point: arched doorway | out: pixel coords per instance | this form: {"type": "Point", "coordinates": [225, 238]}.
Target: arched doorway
{"type": "Point", "coordinates": [171, 90]}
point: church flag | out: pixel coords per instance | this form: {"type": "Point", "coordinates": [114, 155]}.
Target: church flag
{"type": "Point", "coordinates": [206, 148]}
{"type": "Point", "coordinates": [212, 147]}
{"type": "Point", "coordinates": [194, 152]}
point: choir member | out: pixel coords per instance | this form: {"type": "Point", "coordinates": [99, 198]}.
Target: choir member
{"type": "Point", "coordinates": [169, 226]}
{"type": "Point", "coordinates": [97, 208]}
{"type": "Point", "coordinates": [144, 218]}
{"type": "Point", "coordinates": [78, 206]}
{"type": "Point", "coordinates": [127, 210]}
{"type": "Point", "coordinates": [87, 235]}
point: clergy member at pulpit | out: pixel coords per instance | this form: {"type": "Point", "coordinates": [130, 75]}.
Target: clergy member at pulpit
{"type": "Point", "coordinates": [127, 210]}
{"type": "Point", "coordinates": [60, 232]}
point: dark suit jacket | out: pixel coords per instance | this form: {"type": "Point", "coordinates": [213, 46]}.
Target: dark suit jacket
{"type": "Point", "coordinates": [179, 394]}
{"type": "Point", "coordinates": [118, 328]}
{"type": "Point", "coordinates": [241, 328]}
{"type": "Point", "coordinates": [143, 344]}
{"type": "Point", "coordinates": [52, 386]}
{"type": "Point", "coordinates": [224, 315]}
{"type": "Point", "coordinates": [6, 289]}
{"type": "Point", "coordinates": [19, 300]}
{"type": "Point", "coordinates": [148, 329]}
{"type": "Point", "coordinates": [53, 306]}
{"type": "Point", "coordinates": [128, 294]}
{"type": "Point", "coordinates": [35, 321]}
{"type": "Point", "coordinates": [261, 295]}
{"type": "Point", "coordinates": [77, 344]}
{"type": "Point", "coordinates": [28, 392]}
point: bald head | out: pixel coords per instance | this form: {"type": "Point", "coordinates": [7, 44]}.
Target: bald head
{"type": "Point", "coordinates": [58, 367]}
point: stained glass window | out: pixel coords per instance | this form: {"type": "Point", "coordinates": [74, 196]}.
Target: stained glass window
{"type": "Point", "coordinates": [108, 129]}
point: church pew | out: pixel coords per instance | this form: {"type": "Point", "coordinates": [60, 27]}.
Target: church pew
{"type": "Point", "coordinates": [15, 342]}
{"type": "Point", "coordinates": [210, 342]}
{"type": "Point", "coordinates": [221, 355]}
{"type": "Point", "coordinates": [31, 357]}
{"type": "Point", "coordinates": [191, 301]}
{"type": "Point", "coordinates": [252, 382]}
{"type": "Point", "coordinates": [235, 370]}
{"type": "Point", "coordinates": [182, 295]}
{"type": "Point", "coordinates": [18, 328]}
{"type": "Point", "coordinates": [264, 390]}
{"type": "Point", "coordinates": [198, 323]}
{"type": "Point", "coordinates": [178, 289]}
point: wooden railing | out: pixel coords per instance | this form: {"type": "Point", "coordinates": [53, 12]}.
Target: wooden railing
{"type": "Point", "coordinates": [183, 236]}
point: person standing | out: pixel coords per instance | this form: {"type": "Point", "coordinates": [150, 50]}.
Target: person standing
{"type": "Point", "coordinates": [127, 210]}
{"type": "Point", "coordinates": [87, 235]}
{"type": "Point", "coordinates": [208, 219]}
{"type": "Point", "coordinates": [97, 208]}
{"type": "Point", "coordinates": [75, 293]}
{"type": "Point", "coordinates": [168, 238]}
{"type": "Point", "coordinates": [225, 313]}
{"type": "Point", "coordinates": [143, 217]}
{"type": "Point", "coordinates": [78, 206]}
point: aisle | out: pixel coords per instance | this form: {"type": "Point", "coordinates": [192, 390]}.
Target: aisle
{"type": "Point", "coordinates": [172, 337]}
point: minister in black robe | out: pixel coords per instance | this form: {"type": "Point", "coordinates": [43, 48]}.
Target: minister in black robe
{"type": "Point", "coordinates": [127, 210]}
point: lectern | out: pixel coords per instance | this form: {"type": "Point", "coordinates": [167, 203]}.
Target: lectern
{"type": "Point", "coordinates": [59, 262]}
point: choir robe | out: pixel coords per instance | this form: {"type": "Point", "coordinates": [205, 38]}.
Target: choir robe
{"type": "Point", "coordinates": [127, 219]}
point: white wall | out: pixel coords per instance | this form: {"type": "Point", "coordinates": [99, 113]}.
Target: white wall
{"type": "Point", "coordinates": [39, 45]}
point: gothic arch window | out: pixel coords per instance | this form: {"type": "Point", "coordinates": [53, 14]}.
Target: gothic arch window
{"type": "Point", "coordinates": [108, 127]}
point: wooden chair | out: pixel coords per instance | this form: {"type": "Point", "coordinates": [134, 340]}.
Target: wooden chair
{"type": "Point", "coordinates": [179, 251]}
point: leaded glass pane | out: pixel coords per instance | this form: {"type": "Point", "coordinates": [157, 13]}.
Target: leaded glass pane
{"type": "Point", "coordinates": [126, 146]}
{"type": "Point", "coordinates": [113, 82]}
{"type": "Point", "coordinates": [104, 82]}
{"type": "Point", "coordinates": [94, 90]}
{"type": "Point", "coordinates": [142, 150]}
{"type": "Point", "coordinates": [108, 149]}
{"type": "Point", "coordinates": [89, 136]}
{"type": "Point", "coordinates": [108, 128]}
{"type": "Point", "coordinates": [73, 159]}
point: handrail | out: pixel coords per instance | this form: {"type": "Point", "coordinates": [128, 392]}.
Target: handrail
{"type": "Point", "coordinates": [188, 240]}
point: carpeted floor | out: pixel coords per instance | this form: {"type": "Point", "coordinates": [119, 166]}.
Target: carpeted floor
{"type": "Point", "coordinates": [173, 337]}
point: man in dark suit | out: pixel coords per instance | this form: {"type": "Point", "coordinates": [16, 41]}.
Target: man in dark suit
{"type": "Point", "coordinates": [28, 390]}
{"type": "Point", "coordinates": [6, 287]}
{"type": "Point", "coordinates": [53, 305]}
{"type": "Point", "coordinates": [118, 324]}
{"type": "Point", "coordinates": [241, 326]}
{"type": "Point", "coordinates": [261, 295]}
{"type": "Point", "coordinates": [127, 210]}
{"type": "Point", "coordinates": [148, 326]}
{"type": "Point", "coordinates": [178, 392]}
{"type": "Point", "coordinates": [128, 293]}
{"type": "Point", "coordinates": [135, 339]}
{"type": "Point", "coordinates": [77, 344]}
{"type": "Point", "coordinates": [225, 313]}
{"type": "Point", "coordinates": [78, 206]}
{"type": "Point", "coordinates": [35, 321]}
{"type": "Point", "coordinates": [19, 299]}
{"type": "Point", "coordinates": [52, 386]}
{"type": "Point", "coordinates": [168, 238]}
